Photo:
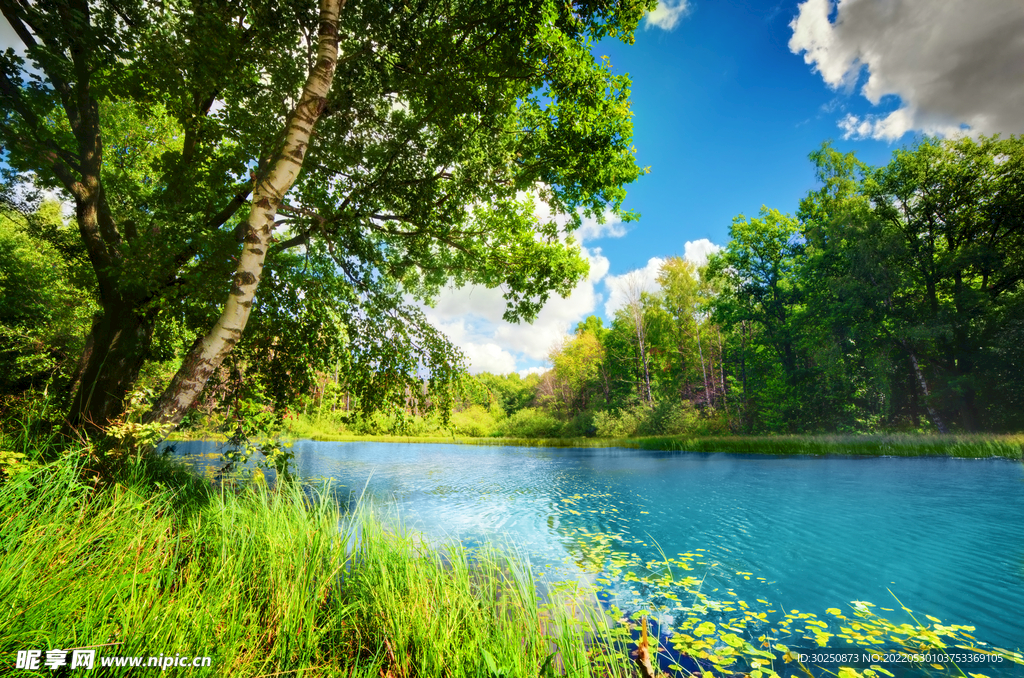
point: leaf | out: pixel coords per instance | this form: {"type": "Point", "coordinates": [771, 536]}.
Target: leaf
{"type": "Point", "coordinates": [704, 629]}
{"type": "Point", "coordinates": [547, 669]}
{"type": "Point", "coordinates": [492, 666]}
{"type": "Point", "coordinates": [732, 640]}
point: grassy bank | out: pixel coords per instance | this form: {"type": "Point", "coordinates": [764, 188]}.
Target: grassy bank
{"type": "Point", "coordinates": [463, 430]}
{"type": "Point", "coordinates": [264, 583]}
{"type": "Point", "coordinates": [152, 561]}
{"type": "Point", "coordinates": [974, 446]}
{"type": "Point", "coordinates": [1009, 446]}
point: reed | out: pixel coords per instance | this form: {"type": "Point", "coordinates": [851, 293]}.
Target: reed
{"type": "Point", "coordinates": [1008, 446]}
{"type": "Point", "coordinates": [265, 582]}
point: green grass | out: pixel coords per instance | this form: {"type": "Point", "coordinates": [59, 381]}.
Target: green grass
{"type": "Point", "coordinates": [1010, 446]}
{"type": "Point", "coordinates": [267, 583]}
{"type": "Point", "coordinates": [980, 445]}
{"type": "Point", "coordinates": [151, 560]}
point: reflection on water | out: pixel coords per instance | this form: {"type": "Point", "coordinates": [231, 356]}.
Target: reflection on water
{"type": "Point", "coordinates": [799, 533]}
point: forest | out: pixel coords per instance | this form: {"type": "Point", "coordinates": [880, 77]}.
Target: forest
{"type": "Point", "coordinates": [216, 217]}
{"type": "Point", "coordinates": [890, 302]}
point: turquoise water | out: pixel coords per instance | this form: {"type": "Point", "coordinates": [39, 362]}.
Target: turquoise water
{"type": "Point", "coordinates": [800, 533]}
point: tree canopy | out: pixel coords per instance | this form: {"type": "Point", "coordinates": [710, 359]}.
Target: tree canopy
{"type": "Point", "coordinates": [891, 300]}
{"type": "Point", "coordinates": [316, 167]}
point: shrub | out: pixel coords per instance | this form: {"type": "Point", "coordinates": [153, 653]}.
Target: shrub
{"type": "Point", "coordinates": [669, 417]}
{"type": "Point", "coordinates": [530, 422]}
{"type": "Point", "coordinates": [474, 421]}
{"type": "Point", "coordinates": [619, 423]}
{"type": "Point", "coordinates": [580, 426]}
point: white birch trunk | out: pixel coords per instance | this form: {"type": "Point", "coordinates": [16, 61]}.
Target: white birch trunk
{"type": "Point", "coordinates": [207, 354]}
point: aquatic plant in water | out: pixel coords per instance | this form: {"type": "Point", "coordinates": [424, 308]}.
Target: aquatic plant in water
{"type": "Point", "coordinates": [698, 635]}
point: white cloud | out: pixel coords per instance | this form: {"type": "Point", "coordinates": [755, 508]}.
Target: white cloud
{"type": "Point", "coordinates": [952, 63]}
{"type": "Point", "coordinates": [471, 317]}
{"type": "Point", "coordinates": [667, 14]}
{"type": "Point", "coordinates": [591, 230]}
{"type": "Point", "coordinates": [698, 251]}
{"type": "Point", "coordinates": [619, 286]}
{"type": "Point", "coordinates": [489, 358]}
{"type": "Point", "coordinates": [533, 370]}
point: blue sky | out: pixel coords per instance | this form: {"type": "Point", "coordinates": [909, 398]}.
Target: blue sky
{"type": "Point", "coordinates": [725, 116]}
{"type": "Point", "coordinates": [729, 99]}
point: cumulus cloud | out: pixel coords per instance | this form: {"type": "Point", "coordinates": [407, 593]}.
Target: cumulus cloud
{"type": "Point", "coordinates": [621, 287]}
{"type": "Point", "coordinates": [471, 317]}
{"type": "Point", "coordinates": [591, 230]}
{"type": "Point", "coordinates": [953, 64]}
{"type": "Point", "coordinates": [698, 251]}
{"type": "Point", "coordinates": [667, 14]}
{"type": "Point", "coordinates": [489, 358]}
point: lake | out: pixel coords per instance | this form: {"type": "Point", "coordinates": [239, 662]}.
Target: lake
{"type": "Point", "coordinates": [786, 535]}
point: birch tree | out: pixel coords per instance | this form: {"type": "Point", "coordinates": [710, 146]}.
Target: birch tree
{"type": "Point", "coordinates": [395, 140]}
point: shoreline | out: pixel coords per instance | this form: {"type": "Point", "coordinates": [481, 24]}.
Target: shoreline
{"type": "Point", "coordinates": [962, 446]}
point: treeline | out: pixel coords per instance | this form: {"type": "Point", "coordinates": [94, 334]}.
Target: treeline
{"type": "Point", "coordinates": [891, 300]}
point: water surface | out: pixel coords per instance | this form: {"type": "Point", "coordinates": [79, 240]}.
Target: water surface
{"type": "Point", "coordinates": [800, 533]}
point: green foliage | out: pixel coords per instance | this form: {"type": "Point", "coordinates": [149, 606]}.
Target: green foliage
{"type": "Point", "coordinates": [580, 372]}
{"type": "Point", "coordinates": [665, 418]}
{"type": "Point", "coordinates": [529, 422]}
{"type": "Point", "coordinates": [891, 302]}
{"type": "Point", "coordinates": [510, 392]}
{"type": "Point", "coordinates": [158, 122]}
{"type": "Point", "coordinates": [474, 421]}
{"type": "Point", "coordinates": [44, 312]}
{"type": "Point", "coordinates": [622, 423]}
{"type": "Point", "coordinates": [670, 418]}
{"type": "Point", "coordinates": [886, 301]}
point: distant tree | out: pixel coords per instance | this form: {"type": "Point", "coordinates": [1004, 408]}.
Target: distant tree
{"type": "Point", "coordinates": [510, 392]}
{"type": "Point", "coordinates": [938, 263]}
{"type": "Point", "coordinates": [761, 294]}
{"type": "Point", "coordinates": [634, 318]}
{"type": "Point", "coordinates": [577, 367]}
{"type": "Point", "coordinates": [684, 300]}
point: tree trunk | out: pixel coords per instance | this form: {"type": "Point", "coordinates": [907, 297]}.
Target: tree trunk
{"type": "Point", "coordinates": [721, 364]}
{"type": "Point", "coordinates": [932, 412]}
{"type": "Point", "coordinates": [703, 369]}
{"type": "Point", "coordinates": [209, 352]}
{"type": "Point", "coordinates": [645, 364]}
{"type": "Point", "coordinates": [115, 352]}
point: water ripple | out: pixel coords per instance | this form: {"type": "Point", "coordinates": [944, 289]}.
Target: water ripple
{"type": "Point", "coordinates": [945, 535]}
